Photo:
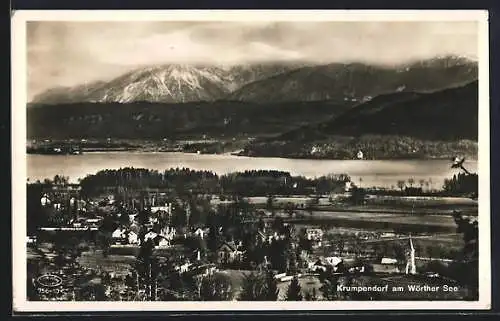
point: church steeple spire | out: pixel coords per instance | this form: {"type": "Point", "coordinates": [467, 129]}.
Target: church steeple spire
{"type": "Point", "coordinates": [411, 267]}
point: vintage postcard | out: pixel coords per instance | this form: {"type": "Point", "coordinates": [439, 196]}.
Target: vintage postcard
{"type": "Point", "coordinates": [246, 160]}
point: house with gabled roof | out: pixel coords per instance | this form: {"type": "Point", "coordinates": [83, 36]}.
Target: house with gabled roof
{"type": "Point", "coordinates": [118, 233]}
{"type": "Point", "coordinates": [229, 252]}
{"type": "Point", "coordinates": [132, 237]}
{"type": "Point", "coordinates": [151, 235]}
{"type": "Point", "coordinates": [200, 232]}
{"type": "Point", "coordinates": [162, 242]}
{"type": "Point", "coordinates": [168, 232]}
{"type": "Point", "coordinates": [386, 265]}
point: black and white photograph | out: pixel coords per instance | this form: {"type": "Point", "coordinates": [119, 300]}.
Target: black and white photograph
{"type": "Point", "coordinates": [246, 160]}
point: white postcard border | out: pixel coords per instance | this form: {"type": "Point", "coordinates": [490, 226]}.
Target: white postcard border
{"type": "Point", "coordinates": [19, 81]}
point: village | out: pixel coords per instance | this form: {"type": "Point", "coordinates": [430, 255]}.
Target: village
{"type": "Point", "coordinates": [156, 245]}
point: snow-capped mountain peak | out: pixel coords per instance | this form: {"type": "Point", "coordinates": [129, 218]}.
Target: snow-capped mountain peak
{"type": "Point", "coordinates": [172, 83]}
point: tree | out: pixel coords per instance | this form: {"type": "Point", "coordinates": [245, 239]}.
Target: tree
{"type": "Point", "coordinates": [60, 180]}
{"type": "Point", "coordinates": [289, 209]}
{"type": "Point", "coordinates": [294, 292]}
{"type": "Point", "coordinates": [311, 295]}
{"type": "Point", "coordinates": [213, 238]}
{"type": "Point", "coordinates": [329, 287]}
{"type": "Point", "coordinates": [253, 288]}
{"type": "Point", "coordinates": [358, 196]}
{"type": "Point", "coordinates": [462, 184]}
{"type": "Point", "coordinates": [270, 203]}
{"type": "Point", "coordinates": [340, 245]}
{"type": "Point", "coordinates": [278, 224]}
{"type": "Point", "coordinates": [261, 224]}
{"type": "Point", "coordinates": [279, 252]}
{"type": "Point", "coordinates": [216, 287]}
{"type": "Point", "coordinates": [91, 292]}
{"type": "Point", "coordinates": [401, 185]}
{"type": "Point", "coordinates": [399, 252]}
{"type": "Point", "coordinates": [272, 290]}
{"type": "Point", "coordinates": [143, 217]}
{"type": "Point", "coordinates": [411, 181]}
{"type": "Point", "coordinates": [467, 271]}
{"type": "Point", "coordinates": [124, 219]}
{"type": "Point", "coordinates": [292, 260]}
{"type": "Point", "coordinates": [305, 244]}
{"type": "Point", "coordinates": [147, 268]}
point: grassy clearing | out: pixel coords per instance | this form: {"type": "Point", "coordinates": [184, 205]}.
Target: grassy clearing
{"type": "Point", "coordinates": [119, 264]}
{"type": "Point", "coordinates": [406, 219]}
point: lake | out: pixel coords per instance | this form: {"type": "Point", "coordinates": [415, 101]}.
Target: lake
{"type": "Point", "coordinates": [367, 173]}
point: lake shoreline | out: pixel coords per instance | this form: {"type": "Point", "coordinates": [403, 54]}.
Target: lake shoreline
{"type": "Point", "coordinates": [237, 154]}
{"type": "Point", "coordinates": [366, 173]}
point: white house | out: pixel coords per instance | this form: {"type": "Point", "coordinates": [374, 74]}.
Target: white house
{"type": "Point", "coordinates": [387, 260]}
{"type": "Point", "coordinates": [333, 260]}
{"type": "Point", "coordinates": [150, 235]}
{"type": "Point", "coordinates": [133, 238]}
{"type": "Point", "coordinates": [167, 208]}
{"type": "Point", "coordinates": [314, 234]}
{"type": "Point", "coordinates": [118, 234]}
{"type": "Point", "coordinates": [209, 270]}
{"type": "Point", "coordinates": [200, 233]}
{"type": "Point", "coordinates": [229, 252]}
{"type": "Point", "coordinates": [45, 200]}
{"type": "Point", "coordinates": [185, 267]}
{"type": "Point", "coordinates": [168, 232]}
{"type": "Point", "coordinates": [92, 221]}
{"type": "Point", "coordinates": [388, 234]}
{"type": "Point", "coordinates": [316, 266]}
{"type": "Point", "coordinates": [163, 242]}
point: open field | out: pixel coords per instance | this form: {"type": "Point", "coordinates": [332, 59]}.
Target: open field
{"type": "Point", "coordinates": [375, 221]}
{"type": "Point", "coordinates": [325, 200]}
{"type": "Point", "coordinates": [448, 239]}
{"type": "Point", "coordinates": [119, 264]}
{"type": "Point", "coordinates": [378, 204]}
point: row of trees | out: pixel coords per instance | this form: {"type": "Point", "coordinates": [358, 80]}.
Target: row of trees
{"type": "Point", "coordinates": [462, 184]}
{"type": "Point", "coordinates": [248, 183]}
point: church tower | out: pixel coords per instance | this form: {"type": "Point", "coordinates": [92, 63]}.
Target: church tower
{"type": "Point", "coordinates": [411, 267]}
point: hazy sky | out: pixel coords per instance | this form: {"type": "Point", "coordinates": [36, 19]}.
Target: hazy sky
{"type": "Point", "coordinates": [70, 53]}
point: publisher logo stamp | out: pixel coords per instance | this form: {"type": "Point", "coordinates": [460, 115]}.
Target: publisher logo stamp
{"type": "Point", "coordinates": [49, 281]}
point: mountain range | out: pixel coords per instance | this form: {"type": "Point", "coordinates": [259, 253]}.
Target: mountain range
{"type": "Point", "coordinates": [438, 124]}
{"type": "Point", "coordinates": [358, 82]}
{"type": "Point", "coordinates": [450, 114]}
{"type": "Point", "coordinates": [172, 83]}
{"type": "Point", "coordinates": [430, 106]}
{"type": "Point", "coordinates": [268, 83]}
